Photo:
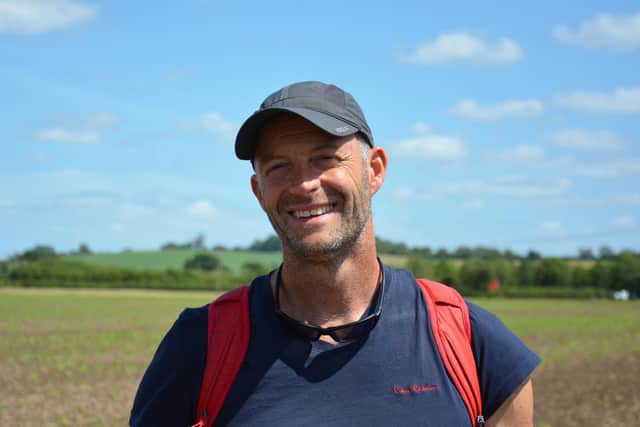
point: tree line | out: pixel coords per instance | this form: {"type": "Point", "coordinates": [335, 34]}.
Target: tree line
{"type": "Point", "coordinates": [474, 271]}
{"type": "Point", "coordinates": [534, 278]}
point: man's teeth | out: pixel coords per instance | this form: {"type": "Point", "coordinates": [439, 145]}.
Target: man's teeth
{"type": "Point", "coordinates": [312, 212]}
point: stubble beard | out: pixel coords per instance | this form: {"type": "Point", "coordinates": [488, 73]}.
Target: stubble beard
{"type": "Point", "coordinates": [340, 241]}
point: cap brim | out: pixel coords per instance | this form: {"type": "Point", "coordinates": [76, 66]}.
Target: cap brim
{"type": "Point", "coordinates": [249, 132]}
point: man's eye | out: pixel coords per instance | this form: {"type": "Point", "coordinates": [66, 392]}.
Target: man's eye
{"type": "Point", "coordinates": [275, 167]}
{"type": "Point", "coordinates": [326, 158]}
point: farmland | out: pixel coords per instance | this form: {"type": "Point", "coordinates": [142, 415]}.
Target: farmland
{"type": "Point", "coordinates": [175, 258]}
{"type": "Point", "coordinates": [77, 355]}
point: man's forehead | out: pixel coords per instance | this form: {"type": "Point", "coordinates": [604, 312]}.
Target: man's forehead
{"type": "Point", "coordinates": [289, 125]}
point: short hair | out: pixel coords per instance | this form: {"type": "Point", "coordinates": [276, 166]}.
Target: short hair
{"type": "Point", "coordinates": [365, 147]}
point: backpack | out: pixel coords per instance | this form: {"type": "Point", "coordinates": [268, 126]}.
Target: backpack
{"type": "Point", "coordinates": [450, 324]}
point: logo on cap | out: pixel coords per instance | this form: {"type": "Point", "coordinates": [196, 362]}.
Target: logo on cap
{"type": "Point", "coordinates": [343, 129]}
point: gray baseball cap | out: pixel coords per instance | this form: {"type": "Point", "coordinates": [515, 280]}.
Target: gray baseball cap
{"type": "Point", "coordinates": [326, 106]}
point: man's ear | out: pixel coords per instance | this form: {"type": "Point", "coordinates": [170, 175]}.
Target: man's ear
{"type": "Point", "coordinates": [255, 187]}
{"type": "Point", "coordinates": [377, 168]}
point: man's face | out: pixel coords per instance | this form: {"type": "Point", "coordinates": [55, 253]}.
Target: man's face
{"type": "Point", "coordinates": [314, 187]}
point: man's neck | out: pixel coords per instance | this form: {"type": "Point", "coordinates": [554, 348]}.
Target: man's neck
{"type": "Point", "coordinates": [329, 292]}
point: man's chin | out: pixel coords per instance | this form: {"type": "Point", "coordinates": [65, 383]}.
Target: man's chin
{"type": "Point", "coordinates": [317, 249]}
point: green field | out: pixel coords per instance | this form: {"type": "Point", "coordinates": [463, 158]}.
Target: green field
{"type": "Point", "coordinates": [175, 258]}
{"type": "Point", "coordinates": [75, 357]}
{"type": "Point", "coordinates": [160, 260]}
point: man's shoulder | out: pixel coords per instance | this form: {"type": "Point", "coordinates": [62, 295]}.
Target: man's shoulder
{"type": "Point", "coordinates": [192, 317]}
{"type": "Point", "coordinates": [189, 330]}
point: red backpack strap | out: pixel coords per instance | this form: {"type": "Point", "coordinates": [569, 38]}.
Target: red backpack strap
{"type": "Point", "coordinates": [227, 343]}
{"type": "Point", "coordinates": [449, 316]}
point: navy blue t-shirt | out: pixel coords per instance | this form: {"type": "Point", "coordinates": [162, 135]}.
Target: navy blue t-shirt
{"type": "Point", "coordinates": [391, 377]}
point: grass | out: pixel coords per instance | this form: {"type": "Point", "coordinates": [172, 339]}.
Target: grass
{"type": "Point", "coordinates": [78, 355]}
{"type": "Point", "coordinates": [557, 328]}
{"type": "Point", "coordinates": [160, 260]}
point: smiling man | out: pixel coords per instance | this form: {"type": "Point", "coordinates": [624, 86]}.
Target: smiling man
{"type": "Point", "coordinates": [336, 337]}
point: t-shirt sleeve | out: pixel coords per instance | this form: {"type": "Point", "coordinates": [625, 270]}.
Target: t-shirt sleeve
{"type": "Point", "coordinates": [504, 361]}
{"type": "Point", "coordinates": [169, 390]}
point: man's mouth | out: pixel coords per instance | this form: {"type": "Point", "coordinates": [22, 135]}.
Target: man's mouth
{"type": "Point", "coordinates": [308, 213]}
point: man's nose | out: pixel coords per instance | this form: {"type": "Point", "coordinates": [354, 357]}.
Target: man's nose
{"type": "Point", "coordinates": [304, 180]}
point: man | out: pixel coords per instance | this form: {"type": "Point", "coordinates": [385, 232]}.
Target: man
{"type": "Point", "coordinates": [337, 337]}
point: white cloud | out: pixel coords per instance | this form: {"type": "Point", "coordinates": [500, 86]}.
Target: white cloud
{"type": "Point", "coordinates": [583, 139]}
{"type": "Point", "coordinates": [213, 123]}
{"type": "Point", "coordinates": [506, 186]}
{"type": "Point", "coordinates": [430, 146]}
{"type": "Point", "coordinates": [512, 187]}
{"type": "Point", "coordinates": [465, 47]}
{"type": "Point", "coordinates": [201, 209]}
{"type": "Point", "coordinates": [70, 136]}
{"type": "Point", "coordinates": [615, 168]}
{"type": "Point", "coordinates": [471, 110]}
{"type": "Point", "coordinates": [615, 33]}
{"type": "Point", "coordinates": [84, 130]}
{"type": "Point", "coordinates": [625, 222]}
{"type": "Point", "coordinates": [421, 128]}
{"type": "Point", "coordinates": [552, 228]}
{"type": "Point", "coordinates": [621, 100]}
{"type": "Point", "coordinates": [39, 16]}
{"type": "Point", "coordinates": [522, 153]}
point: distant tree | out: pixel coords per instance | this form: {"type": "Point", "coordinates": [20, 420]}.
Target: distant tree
{"type": "Point", "coordinates": [462, 252]}
{"type": "Point", "coordinates": [388, 247]}
{"type": "Point", "coordinates": [486, 253]}
{"type": "Point", "coordinates": [552, 272]}
{"type": "Point", "coordinates": [510, 255]}
{"type": "Point", "coordinates": [585, 254]}
{"type": "Point", "coordinates": [171, 246]}
{"type": "Point", "coordinates": [36, 253]}
{"type": "Point", "coordinates": [625, 272]}
{"type": "Point", "coordinates": [203, 261]}
{"type": "Point", "coordinates": [601, 276]}
{"type": "Point", "coordinates": [525, 273]}
{"type": "Point", "coordinates": [446, 273]}
{"type": "Point", "coordinates": [219, 247]}
{"type": "Point", "coordinates": [422, 251]}
{"type": "Point", "coordinates": [254, 268]}
{"type": "Point", "coordinates": [270, 244]}
{"type": "Point", "coordinates": [533, 255]}
{"type": "Point", "coordinates": [419, 266]}
{"type": "Point", "coordinates": [503, 270]}
{"type": "Point", "coordinates": [606, 253]}
{"type": "Point", "coordinates": [83, 249]}
{"type": "Point", "coordinates": [581, 277]}
{"type": "Point", "coordinates": [197, 243]}
{"type": "Point", "coordinates": [475, 274]}
{"type": "Point", "coordinates": [442, 254]}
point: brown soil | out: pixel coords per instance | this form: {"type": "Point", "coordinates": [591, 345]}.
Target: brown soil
{"type": "Point", "coordinates": [604, 392]}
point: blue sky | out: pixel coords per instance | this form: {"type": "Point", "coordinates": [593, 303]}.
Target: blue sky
{"type": "Point", "coordinates": [514, 125]}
